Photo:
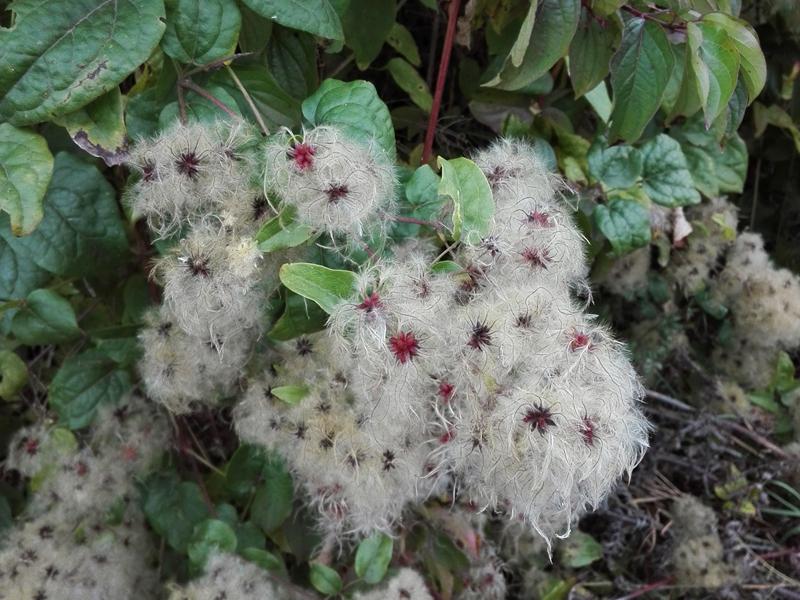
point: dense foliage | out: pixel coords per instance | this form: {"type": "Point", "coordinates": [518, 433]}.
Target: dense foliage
{"type": "Point", "coordinates": [306, 298]}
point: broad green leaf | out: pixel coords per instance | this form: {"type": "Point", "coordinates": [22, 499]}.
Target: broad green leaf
{"type": "Point", "coordinates": [411, 82]}
{"type": "Point", "coordinates": [355, 108]}
{"type": "Point", "coordinates": [173, 508]}
{"type": "Point", "coordinates": [366, 25]}
{"type": "Point", "coordinates": [282, 231]}
{"type": "Point", "coordinates": [299, 317]}
{"type": "Point", "coordinates": [26, 166]}
{"type": "Point", "coordinates": [201, 31]}
{"type": "Point", "coordinates": [13, 374]}
{"type": "Point", "coordinates": [45, 318]}
{"type": "Point", "coordinates": [737, 106]}
{"type": "Point", "coordinates": [400, 39]}
{"type": "Point", "coordinates": [58, 58]}
{"type": "Point", "coordinates": [640, 71]}
{"type": "Point", "coordinates": [752, 62]}
{"type": "Point", "coordinates": [290, 394]}
{"type": "Point", "coordinates": [693, 93]}
{"type": "Point", "coordinates": [324, 579]}
{"type": "Point", "coordinates": [591, 50]}
{"type": "Point", "coordinates": [314, 16]}
{"type": "Point", "coordinates": [615, 167]}
{"type": "Point", "coordinates": [580, 550]}
{"type": "Point", "coordinates": [422, 188]}
{"type": "Point", "coordinates": [99, 128]}
{"type": "Point", "coordinates": [19, 275]}
{"type": "Point", "coordinates": [373, 556]}
{"type": "Point", "coordinates": [517, 54]}
{"type": "Point", "coordinates": [266, 560]}
{"type": "Point", "coordinates": [327, 287]}
{"type": "Point", "coordinates": [473, 205]}
{"type": "Point", "coordinates": [244, 469]}
{"type": "Point", "coordinates": [625, 223]}
{"type": "Point", "coordinates": [292, 61]}
{"type": "Point", "coordinates": [703, 169]}
{"type": "Point", "coordinates": [141, 113]}
{"type": "Point", "coordinates": [256, 31]}
{"type": "Point", "coordinates": [665, 175]}
{"type": "Point", "coordinates": [274, 104]}
{"type": "Point", "coordinates": [83, 383]}
{"type": "Point", "coordinates": [209, 537]}
{"type": "Point", "coordinates": [554, 26]}
{"type": "Point", "coordinates": [731, 166]}
{"type": "Point", "coordinates": [720, 56]}
{"type": "Point", "coordinates": [600, 101]}
{"type": "Point", "coordinates": [272, 504]}
{"type": "Point", "coordinates": [200, 109]}
{"type": "Point", "coordinates": [82, 233]}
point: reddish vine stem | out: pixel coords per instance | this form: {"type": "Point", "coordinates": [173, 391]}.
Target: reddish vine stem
{"type": "Point", "coordinates": [191, 85]}
{"type": "Point", "coordinates": [650, 587]}
{"type": "Point", "coordinates": [444, 62]}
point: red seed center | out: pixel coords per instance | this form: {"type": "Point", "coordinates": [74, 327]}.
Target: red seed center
{"type": "Point", "coordinates": [404, 346]}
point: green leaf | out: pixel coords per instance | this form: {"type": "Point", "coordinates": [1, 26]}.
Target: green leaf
{"type": "Point", "coordinates": [640, 71]}
{"type": "Point", "coordinates": [291, 394]}
{"type": "Point", "coordinates": [605, 8]}
{"type": "Point", "coordinates": [209, 537]}
{"type": "Point", "coordinates": [591, 51]}
{"type": "Point", "coordinates": [282, 231]}
{"type": "Point", "coordinates": [407, 78]}
{"type": "Point", "coordinates": [201, 31]}
{"type": "Point", "coordinates": [731, 166]}
{"type": "Point", "coordinates": [292, 60]}
{"type": "Point", "coordinates": [752, 62]}
{"type": "Point", "coordinates": [46, 318]}
{"type": "Point", "coordinates": [473, 205]}
{"type": "Point", "coordinates": [82, 232]}
{"type": "Point", "coordinates": [580, 550]}
{"type": "Point", "coordinates": [446, 266]}
{"type": "Point", "coordinates": [13, 374]}
{"type": "Point", "coordinates": [299, 317]}
{"type": "Point", "coordinates": [56, 61]}
{"type": "Point", "coordinates": [199, 109]}
{"type": "Point", "coordinates": [324, 579]}
{"type": "Point", "coordinates": [601, 102]}
{"type": "Point", "coordinates": [720, 56]}
{"type": "Point", "coordinates": [625, 223]}
{"type": "Point", "coordinates": [666, 176]}
{"type": "Point", "coordinates": [26, 166]}
{"type": "Point", "coordinates": [554, 26]}
{"type": "Point", "coordinates": [373, 556]}
{"type": "Point", "coordinates": [327, 287]}
{"type": "Point", "coordinates": [19, 274]}
{"type": "Point", "coordinates": [99, 128]}
{"type": "Point", "coordinates": [400, 39]}
{"type": "Point", "coordinates": [173, 508]}
{"type": "Point", "coordinates": [266, 560]}
{"type": "Point", "coordinates": [83, 382]}
{"type": "Point", "coordinates": [422, 188]}
{"type": "Point", "coordinates": [255, 32]}
{"type": "Point", "coordinates": [355, 108]}
{"type": "Point", "coordinates": [703, 169]}
{"type": "Point", "coordinates": [314, 16]}
{"type": "Point", "coordinates": [244, 470]}
{"type": "Point", "coordinates": [272, 504]}
{"type": "Point", "coordinates": [615, 167]}
{"type": "Point", "coordinates": [366, 25]}
{"type": "Point", "coordinates": [276, 106]}
{"type": "Point", "coordinates": [695, 78]}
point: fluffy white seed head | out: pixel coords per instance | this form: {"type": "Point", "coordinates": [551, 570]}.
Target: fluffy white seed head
{"type": "Point", "coordinates": [338, 186]}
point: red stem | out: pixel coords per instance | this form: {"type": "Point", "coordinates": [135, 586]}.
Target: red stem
{"type": "Point", "coordinates": [190, 85]}
{"type": "Point", "coordinates": [650, 587]}
{"type": "Point", "coordinates": [444, 62]}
